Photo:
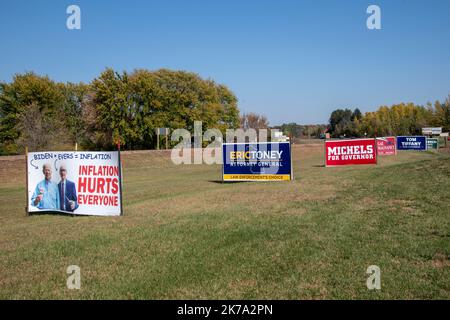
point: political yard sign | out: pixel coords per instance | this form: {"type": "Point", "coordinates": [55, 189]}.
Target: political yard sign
{"type": "Point", "coordinates": [257, 161]}
{"type": "Point", "coordinates": [432, 143]}
{"type": "Point", "coordinates": [386, 146]}
{"type": "Point", "coordinates": [432, 131]}
{"type": "Point", "coordinates": [349, 152]}
{"type": "Point", "coordinates": [411, 143]}
{"type": "Point", "coordinates": [84, 183]}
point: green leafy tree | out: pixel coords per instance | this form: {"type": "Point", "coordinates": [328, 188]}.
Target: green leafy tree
{"type": "Point", "coordinates": [130, 107]}
{"type": "Point", "coordinates": [23, 95]}
{"type": "Point", "coordinates": [75, 97]}
{"type": "Point", "coordinates": [341, 122]}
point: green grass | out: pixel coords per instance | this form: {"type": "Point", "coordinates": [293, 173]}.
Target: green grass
{"type": "Point", "coordinates": [186, 236]}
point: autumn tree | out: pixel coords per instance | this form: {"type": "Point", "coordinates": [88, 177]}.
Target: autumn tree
{"type": "Point", "coordinates": [253, 121]}
{"type": "Point", "coordinates": [441, 114]}
{"type": "Point", "coordinates": [398, 119]}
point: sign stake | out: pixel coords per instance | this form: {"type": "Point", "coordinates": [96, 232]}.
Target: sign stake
{"type": "Point", "coordinates": [292, 165]}
{"type": "Point", "coordinates": [157, 140]}
{"type": "Point", "coordinates": [120, 177]}
{"type": "Point", "coordinates": [27, 212]}
{"type": "Point", "coordinates": [376, 150]}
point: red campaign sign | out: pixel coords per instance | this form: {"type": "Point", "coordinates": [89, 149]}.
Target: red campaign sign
{"type": "Point", "coordinates": [347, 152]}
{"type": "Point", "coordinates": [386, 146]}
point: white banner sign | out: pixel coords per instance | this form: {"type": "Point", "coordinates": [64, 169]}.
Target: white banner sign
{"type": "Point", "coordinates": [85, 183]}
{"type": "Point", "coordinates": [432, 131]}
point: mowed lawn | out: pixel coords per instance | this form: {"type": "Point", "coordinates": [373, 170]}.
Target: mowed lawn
{"type": "Point", "coordinates": [185, 235]}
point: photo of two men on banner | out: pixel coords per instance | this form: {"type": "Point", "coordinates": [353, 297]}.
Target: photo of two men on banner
{"type": "Point", "coordinates": [49, 195]}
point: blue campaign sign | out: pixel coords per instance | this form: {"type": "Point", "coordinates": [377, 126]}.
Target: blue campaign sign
{"type": "Point", "coordinates": [411, 143]}
{"type": "Point", "coordinates": [258, 161]}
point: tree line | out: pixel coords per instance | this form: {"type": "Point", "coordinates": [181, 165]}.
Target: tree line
{"type": "Point", "coordinates": [40, 113]}
{"type": "Point", "coordinates": [398, 119]}
{"type": "Point", "coordinates": [303, 131]}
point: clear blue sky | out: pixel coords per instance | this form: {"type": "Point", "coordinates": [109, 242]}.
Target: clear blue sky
{"type": "Point", "coordinates": [290, 60]}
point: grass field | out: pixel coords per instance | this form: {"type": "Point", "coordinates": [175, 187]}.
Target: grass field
{"type": "Point", "coordinates": [186, 235]}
